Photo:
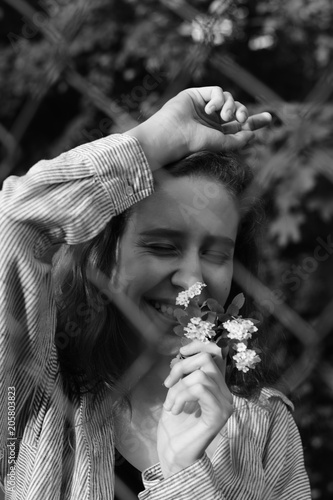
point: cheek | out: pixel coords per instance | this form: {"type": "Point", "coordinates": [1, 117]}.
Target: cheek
{"type": "Point", "coordinates": [140, 274]}
{"type": "Point", "coordinates": [221, 284]}
{"type": "Point", "coordinates": [224, 293]}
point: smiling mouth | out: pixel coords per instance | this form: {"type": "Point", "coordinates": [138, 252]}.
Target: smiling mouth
{"type": "Point", "coordinates": [164, 310]}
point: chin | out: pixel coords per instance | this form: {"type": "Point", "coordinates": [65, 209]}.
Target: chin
{"type": "Point", "coordinates": [169, 345]}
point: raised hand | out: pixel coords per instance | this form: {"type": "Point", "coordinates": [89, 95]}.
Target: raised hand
{"type": "Point", "coordinates": [197, 119]}
{"type": "Point", "coordinates": [197, 406]}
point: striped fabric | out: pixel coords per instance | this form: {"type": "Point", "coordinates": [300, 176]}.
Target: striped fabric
{"type": "Point", "coordinates": [69, 199]}
{"type": "Point", "coordinates": [65, 449]}
{"type": "Point", "coordinates": [259, 457]}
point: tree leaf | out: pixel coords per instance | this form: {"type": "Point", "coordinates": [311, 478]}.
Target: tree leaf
{"type": "Point", "coordinates": [286, 228]}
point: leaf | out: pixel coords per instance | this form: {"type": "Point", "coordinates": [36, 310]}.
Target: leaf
{"type": "Point", "coordinates": [179, 330]}
{"type": "Point", "coordinates": [213, 305]}
{"type": "Point", "coordinates": [193, 311]}
{"type": "Point", "coordinates": [179, 313]}
{"type": "Point", "coordinates": [233, 310]}
{"type": "Point", "coordinates": [182, 316]}
{"type": "Point", "coordinates": [223, 317]}
{"type": "Point", "coordinates": [221, 342]}
{"type": "Point", "coordinates": [209, 316]}
{"type": "Point", "coordinates": [225, 351]}
{"type": "Point", "coordinates": [239, 300]}
{"type": "Point", "coordinates": [286, 228]}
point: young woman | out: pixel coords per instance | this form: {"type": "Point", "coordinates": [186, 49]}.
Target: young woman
{"type": "Point", "coordinates": [152, 214]}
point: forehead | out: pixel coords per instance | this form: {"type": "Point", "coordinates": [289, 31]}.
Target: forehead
{"type": "Point", "coordinates": [188, 205]}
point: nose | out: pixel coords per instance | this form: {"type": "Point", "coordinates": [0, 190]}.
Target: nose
{"type": "Point", "coordinates": [188, 271]}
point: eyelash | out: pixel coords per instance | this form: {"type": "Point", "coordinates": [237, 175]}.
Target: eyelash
{"type": "Point", "coordinates": [220, 258]}
{"type": "Point", "coordinates": [161, 249]}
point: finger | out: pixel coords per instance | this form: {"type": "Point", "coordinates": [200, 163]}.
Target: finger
{"type": "Point", "coordinates": [201, 361]}
{"type": "Point", "coordinates": [238, 140]}
{"type": "Point", "coordinates": [196, 346]}
{"type": "Point", "coordinates": [242, 113]}
{"type": "Point", "coordinates": [231, 127]}
{"type": "Point", "coordinates": [257, 121]}
{"type": "Point", "coordinates": [216, 385]}
{"type": "Point", "coordinates": [196, 393]}
{"type": "Point", "coordinates": [254, 122]}
{"type": "Point", "coordinates": [199, 381]}
{"type": "Point", "coordinates": [216, 99]}
{"type": "Point", "coordinates": [229, 107]}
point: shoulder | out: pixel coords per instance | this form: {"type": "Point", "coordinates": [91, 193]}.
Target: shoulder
{"type": "Point", "coordinates": [267, 400]}
{"type": "Point", "coordinates": [271, 409]}
{"type": "Point", "coordinates": [266, 421]}
{"type": "Point", "coordinates": [272, 397]}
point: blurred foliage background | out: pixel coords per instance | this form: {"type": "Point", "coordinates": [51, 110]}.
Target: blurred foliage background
{"type": "Point", "coordinates": [72, 71]}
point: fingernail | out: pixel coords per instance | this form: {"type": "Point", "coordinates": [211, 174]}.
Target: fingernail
{"type": "Point", "coordinates": [167, 381]}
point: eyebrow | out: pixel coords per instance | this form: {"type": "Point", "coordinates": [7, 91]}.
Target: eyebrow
{"type": "Point", "coordinates": [167, 232]}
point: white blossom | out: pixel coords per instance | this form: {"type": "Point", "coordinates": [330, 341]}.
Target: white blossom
{"type": "Point", "coordinates": [246, 360]}
{"type": "Point", "coordinates": [183, 298]}
{"type": "Point", "coordinates": [240, 347]}
{"type": "Point", "coordinates": [239, 328]}
{"type": "Point", "coordinates": [197, 329]}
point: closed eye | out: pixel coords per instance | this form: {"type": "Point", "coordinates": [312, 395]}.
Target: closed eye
{"type": "Point", "coordinates": [161, 249]}
{"type": "Point", "coordinates": [217, 257]}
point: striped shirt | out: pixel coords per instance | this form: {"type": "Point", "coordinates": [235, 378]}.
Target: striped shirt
{"type": "Point", "coordinates": [70, 200]}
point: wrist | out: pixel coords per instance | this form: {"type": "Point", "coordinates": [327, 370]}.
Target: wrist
{"type": "Point", "coordinates": [147, 144]}
{"type": "Point", "coordinates": [158, 143]}
{"type": "Point", "coordinates": [170, 465]}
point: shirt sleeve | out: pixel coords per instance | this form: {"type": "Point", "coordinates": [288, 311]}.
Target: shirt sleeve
{"type": "Point", "coordinates": [193, 483]}
{"type": "Point", "coordinates": [69, 199]}
{"type": "Point", "coordinates": [269, 466]}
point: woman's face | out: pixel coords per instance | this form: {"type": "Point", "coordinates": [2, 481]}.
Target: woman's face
{"type": "Point", "coordinates": [185, 232]}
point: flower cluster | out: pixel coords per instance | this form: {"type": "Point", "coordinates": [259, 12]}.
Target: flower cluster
{"type": "Point", "coordinates": [183, 298]}
{"type": "Point", "coordinates": [239, 328]}
{"type": "Point", "coordinates": [197, 329]}
{"type": "Point", "coordinates": [245, 359]}
{"type": "Point", "coordinates": [209, 322]}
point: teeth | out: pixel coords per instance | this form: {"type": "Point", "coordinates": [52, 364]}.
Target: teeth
{"type": "Point", "coordinates": [163, 308]}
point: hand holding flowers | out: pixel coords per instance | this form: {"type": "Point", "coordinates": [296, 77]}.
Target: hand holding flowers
{"type": "Point", "coordinates": [198, 402]}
